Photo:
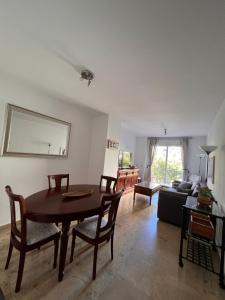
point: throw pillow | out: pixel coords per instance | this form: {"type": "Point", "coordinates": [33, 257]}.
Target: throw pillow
{"type": "Point", "coordinates": [185, 185]}
{"type": "Point", "coordinates": [194, 185]}
{"type": "Point", "coordinates": [175, 183]}
{"type": "Point", "coordinates": [195, 192]}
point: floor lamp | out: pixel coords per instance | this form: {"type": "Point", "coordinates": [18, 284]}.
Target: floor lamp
{"type": "Point", "coordinates": [207, 149]}
{"type": "Point", "coordinates": [200, 156]}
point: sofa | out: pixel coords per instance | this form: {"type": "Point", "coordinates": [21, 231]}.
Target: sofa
{"type": "Point", "coordinates": [172, 198]}
{"type": "Point", "coordinates": [170, 205]}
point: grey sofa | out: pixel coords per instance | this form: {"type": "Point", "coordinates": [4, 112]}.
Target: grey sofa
{"type": "Point", "coordinates": [170, 205]}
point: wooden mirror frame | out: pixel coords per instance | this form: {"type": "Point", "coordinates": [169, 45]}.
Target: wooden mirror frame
{"type": "Point", "coordinates": [5, 151]}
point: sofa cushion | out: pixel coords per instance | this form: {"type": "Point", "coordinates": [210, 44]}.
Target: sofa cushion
{"type": "Point", "coordinates": [195, 192]}
{"type": "Point", "coordinates": [175, 183]}
{"type": "Point", "coordinates": [193, 185]}
{"type": "Point", "coordinates": [185, 185]}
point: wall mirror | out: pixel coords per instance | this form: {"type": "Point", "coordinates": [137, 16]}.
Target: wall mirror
{"type": "Point", "coordinates": [28, 133]}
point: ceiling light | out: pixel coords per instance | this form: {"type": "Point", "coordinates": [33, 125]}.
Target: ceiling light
{"type": "Point", "coordinates": [87, 75]}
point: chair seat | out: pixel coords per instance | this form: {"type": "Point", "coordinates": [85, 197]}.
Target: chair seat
{"type": "Point", "coordinates": [89, 227]}
{"type": "Point", "coordinates": [37, 232]}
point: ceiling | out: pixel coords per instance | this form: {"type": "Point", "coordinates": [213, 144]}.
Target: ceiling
{"type": "Point", "coordinates": [158, 63]}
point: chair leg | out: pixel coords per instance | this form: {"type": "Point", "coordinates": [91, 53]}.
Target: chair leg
{"type": "Point", "coordinates": [80, 221]}
{"type": "Point", "coordinates": [56, 248]}
{"type": "Point", "coordinates": [20, 271]}
{"type": "Point", "coordinates": [112, 237]}
{"type": "Point", "coordinates": [9, 255]}
{"type": "Point", "coordinates": [72, 247]}
{"type": "Point", "coordinates": [95, 262]}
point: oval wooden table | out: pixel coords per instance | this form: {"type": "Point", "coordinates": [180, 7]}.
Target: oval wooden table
{"type": "Point", "coordinates": [49, 206]}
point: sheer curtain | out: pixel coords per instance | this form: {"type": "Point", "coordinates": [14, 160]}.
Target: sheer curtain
{"type": "Point", "coordinates": [184, 146]}
{"type": "Point", "coordinates": [151, 148]}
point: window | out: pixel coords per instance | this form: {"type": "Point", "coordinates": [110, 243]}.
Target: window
{"type": "Point", "coordinates": [167, 164]}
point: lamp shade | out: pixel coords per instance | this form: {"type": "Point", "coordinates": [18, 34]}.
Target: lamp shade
{"type": "Point", "coordinates": [208, 149]}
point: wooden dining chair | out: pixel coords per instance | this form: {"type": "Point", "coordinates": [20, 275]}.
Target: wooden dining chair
{"type": "Point", "coordinates": [110, 182]}
{"type": "Point", "coordinates": [58, 180]}
{"type": "Point", "coordinates": [29, 235]}
{"type": "Point", "coordinates": [100, 228]}
{"type": "Point", "coordinates": [2, 297]}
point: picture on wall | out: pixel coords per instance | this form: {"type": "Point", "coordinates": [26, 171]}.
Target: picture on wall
{"type": "Point", "coordinates": [211, 169]}
{"type": "Point", "coordinates": [111, 144]}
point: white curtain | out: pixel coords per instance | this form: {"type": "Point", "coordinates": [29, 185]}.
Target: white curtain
{"type": "Point", "coordinates": [184, 147]}
{"type": "Point", "coordinates": [151, 149]}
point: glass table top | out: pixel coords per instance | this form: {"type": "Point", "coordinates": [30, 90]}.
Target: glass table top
{"type": "Point", "coordinates": [215, 210]}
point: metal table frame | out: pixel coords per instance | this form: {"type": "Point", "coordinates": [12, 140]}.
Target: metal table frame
{"type": "Point", "coordinates": [191, 205]}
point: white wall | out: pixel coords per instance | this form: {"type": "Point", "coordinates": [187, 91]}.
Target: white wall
{"type": "Point", "coordinates": [128, 142]}
{"type": "Point", "coordinates": [28, 175]}
{"type": "Point", "coordinates": [111, 155]}
{"type": "Point", "coordinates": [193, 160]}
{"type": "Point", "coordinates": [140, 154]}
{"type": "Point", "coordinates": [216, 136]}
{"type": "Point", "coordinates": [98, 148]}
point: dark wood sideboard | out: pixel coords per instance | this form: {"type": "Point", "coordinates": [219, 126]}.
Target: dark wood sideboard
{"type": "Point", "coordinates": [127, 178]}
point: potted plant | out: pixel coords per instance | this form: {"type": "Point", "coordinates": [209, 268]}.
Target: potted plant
{"type": "Point", "coordinates": [205, 197]}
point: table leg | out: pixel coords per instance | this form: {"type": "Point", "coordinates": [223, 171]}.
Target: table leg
{"type": "Point", "coordinates": [150, 202]}
{"type": "Point", "coordinates": [182, 236]}
{"type": "Point", "coordinates": [63, 248]}
{"type": "Point", "coordinates": [134, 197]}
{"type": "Point", "coordinates": [221, 274]}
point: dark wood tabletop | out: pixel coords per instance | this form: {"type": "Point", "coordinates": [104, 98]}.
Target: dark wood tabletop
{"type": "Point", "coordinates": [149, 185]}
{"type": "Point", "coordinates": [146, 188]}
{"type": "Point", "coordinates": [51, 206]}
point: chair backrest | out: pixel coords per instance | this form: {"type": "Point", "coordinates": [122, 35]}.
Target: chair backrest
{"type": "Point", "coordinates": [13, 199]}
{"type": "Point", "coordinates": [110, 182]}
{"type": "Point", "coordinates": [109, 207]}
{"type": "Point", "coordinates": [58, 180]}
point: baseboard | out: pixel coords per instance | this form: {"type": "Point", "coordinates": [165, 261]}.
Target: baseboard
{"type": "Point", "coordinates": [5, 226]}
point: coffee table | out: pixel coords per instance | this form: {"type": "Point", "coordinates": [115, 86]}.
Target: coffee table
{"type": "Point", "coordinates": [146, 188]}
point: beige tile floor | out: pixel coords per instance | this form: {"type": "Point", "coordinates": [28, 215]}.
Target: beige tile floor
{"type": "Point", "coordinates": [145, 265]}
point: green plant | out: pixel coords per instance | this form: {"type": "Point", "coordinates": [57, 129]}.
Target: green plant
{"type": "Point", "coordinates": [174, 171]}
{"type": "Point", "coordinates": [205, 192]}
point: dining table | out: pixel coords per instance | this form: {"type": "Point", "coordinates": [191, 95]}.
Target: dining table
{"type": "Point", "coordinates": [52, 206]}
